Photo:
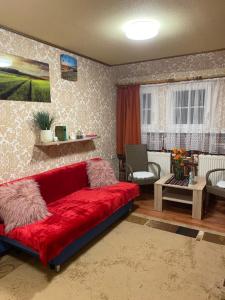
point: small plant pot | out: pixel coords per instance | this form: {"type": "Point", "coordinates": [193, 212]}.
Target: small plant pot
{"type": "Point", "coordinates": [46, 136]}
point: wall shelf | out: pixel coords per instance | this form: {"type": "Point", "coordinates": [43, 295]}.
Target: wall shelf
{"type": "Point", "coordinates": [58, 143]}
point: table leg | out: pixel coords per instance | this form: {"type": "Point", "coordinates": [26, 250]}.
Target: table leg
{"type": "Point", "coordinates": [158, 197]}
{"type": "Point", "coordinates": [197, 204]}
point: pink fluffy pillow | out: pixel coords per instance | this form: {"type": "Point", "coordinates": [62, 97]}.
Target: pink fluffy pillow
{"type": "Point", "coordinates": [100, 173]}
{"type": "Point", "coordinates": [21, 203]}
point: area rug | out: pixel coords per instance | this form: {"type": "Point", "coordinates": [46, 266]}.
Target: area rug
{"type": "Point", "coordinates": [132, 261]}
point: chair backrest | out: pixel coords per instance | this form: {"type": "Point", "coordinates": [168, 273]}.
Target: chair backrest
{"type": "Point", "coordinates": [136, 157]}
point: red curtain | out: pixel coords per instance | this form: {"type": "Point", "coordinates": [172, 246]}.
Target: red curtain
{"type": "Point", "coordinates": [128, 116]}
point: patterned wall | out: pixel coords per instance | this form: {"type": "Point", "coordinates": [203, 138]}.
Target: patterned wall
{"type": "Point", "coordinates": [88, 104]}
{"type": "Point", "coordinates": [207, 64]}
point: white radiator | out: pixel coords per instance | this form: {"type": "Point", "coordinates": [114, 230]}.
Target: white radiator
{"type": "Point", "coordinates": [163, 159]}
{"type": "Point", "coordinates": [209, 162]}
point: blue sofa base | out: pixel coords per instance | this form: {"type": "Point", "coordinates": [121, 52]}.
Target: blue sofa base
{"type": "Point", "coordinates": [4, 248]}
{"type": "Point", "coordinates": [74, 247]}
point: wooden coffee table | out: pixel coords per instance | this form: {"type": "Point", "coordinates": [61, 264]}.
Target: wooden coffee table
{"type": "Point", "coordinates": [191, 194]}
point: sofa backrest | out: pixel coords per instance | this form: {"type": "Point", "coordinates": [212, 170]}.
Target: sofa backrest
{"type": "Point", "coordinates": [59, 182]}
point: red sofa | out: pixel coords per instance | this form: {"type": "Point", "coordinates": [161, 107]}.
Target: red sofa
{"type": "Point", "coordinates": [79, 214]}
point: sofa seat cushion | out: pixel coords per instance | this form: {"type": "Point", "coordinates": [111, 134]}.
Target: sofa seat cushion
{"type": "Point", "coordinates": [72, 216]}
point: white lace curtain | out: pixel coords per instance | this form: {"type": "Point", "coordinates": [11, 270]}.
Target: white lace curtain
{"type": "Point", "coordinates": [187, 114]}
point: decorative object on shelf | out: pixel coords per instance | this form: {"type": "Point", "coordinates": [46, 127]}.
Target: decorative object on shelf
{"type": "Point", "coordinates": [68, 67]}
{"type": "Point", "coordinates": [23, 79]}
{"type": "Point", "coordinates": [72, 136]}
{"type": "Point", "coordinates": [55, 139]}
{"type": "Point", "coordinates": [91, 135]}
{"type": "Point", "coordinates": [178, 156]}
{"type": "Point", "coordinates": [61, 133]}
{"type": "Point", "coordinates": [43, 120]}
{"type": "Point", "coordinates": [79, 135]}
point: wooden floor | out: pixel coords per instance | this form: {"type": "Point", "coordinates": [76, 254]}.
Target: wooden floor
{"type": "Point", "coordinates": [181, 213]}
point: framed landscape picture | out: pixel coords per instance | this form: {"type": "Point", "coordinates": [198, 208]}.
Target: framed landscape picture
{"type": "Point", "coordinates": [68, 67]}
{"type": "Point", "coordinates": [23, 79]}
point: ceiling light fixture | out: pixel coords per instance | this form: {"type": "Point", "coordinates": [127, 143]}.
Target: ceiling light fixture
{"type": "Point", "coordinates": [141, 29]}
{"type": "Point", "coordinates": [4, 63]}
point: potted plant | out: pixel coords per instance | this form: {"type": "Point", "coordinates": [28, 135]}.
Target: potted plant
{"type": "Point", "coordinates": [178, 155]}
{"type": "Point", "coordinates": [43, 120]}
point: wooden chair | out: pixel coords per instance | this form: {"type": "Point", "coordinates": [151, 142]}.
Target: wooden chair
{"type": "Point", "coordinates": [138, 169]}
{"type": "Point", "coordinates": [213, 189]}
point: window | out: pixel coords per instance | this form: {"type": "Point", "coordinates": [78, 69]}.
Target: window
{"type": "Point", "coordinates": [149, 115]}
{"type": "Point", "coordinates": [189, 106]}
{"type": "Point", "coordinates": [184, 114]}
{"type": "Point", "coordinates": [146, 109]}
{"type": "Point", "coordinates": [149, 110]}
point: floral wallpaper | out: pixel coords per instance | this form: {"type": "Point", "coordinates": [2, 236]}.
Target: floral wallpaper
{"type": "Point", "coordinates": [88, 104]}
{"type": "Point", "coordinates": [205, 64]}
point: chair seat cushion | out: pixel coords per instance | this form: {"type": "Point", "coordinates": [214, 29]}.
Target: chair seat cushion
{"type": "Point", "coordinates": [215, 190]}
{"type": "Point", "coordinates": [221, 184]}
{"type": "Point", "coordinates": [142, 175]}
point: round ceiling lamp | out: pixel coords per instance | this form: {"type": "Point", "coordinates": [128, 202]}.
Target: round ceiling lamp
{"type": "Point", "coordinates": [140, 30]}
{"type": "Point", "coordinates": [4, 62]}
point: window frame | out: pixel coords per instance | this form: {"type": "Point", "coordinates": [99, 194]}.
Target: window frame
{"type": "Point", "coordinates": [145, 128]}
{"type": "Point", "coordinates": [146, 109]}
{"type": "Point", "coordinates": [189, 127]}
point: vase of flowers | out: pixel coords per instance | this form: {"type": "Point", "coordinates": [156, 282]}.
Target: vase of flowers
{"type": "Point", "coordinates": [178, 156]}
{"type": "Point", "coordinates": [44, 121]}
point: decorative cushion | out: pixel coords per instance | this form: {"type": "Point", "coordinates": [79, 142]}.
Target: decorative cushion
{"type": "Point", "coordinates": [100, 173]}
{"type": "Point", "coordinates": [221, 184]}
{"type": "Point", "coordinates": [142, 175]}
{"type": "Point", "coordinates": [21, 203]}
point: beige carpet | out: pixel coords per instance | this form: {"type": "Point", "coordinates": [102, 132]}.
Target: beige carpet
{"type": "Point", "coordinates": [131, 262]}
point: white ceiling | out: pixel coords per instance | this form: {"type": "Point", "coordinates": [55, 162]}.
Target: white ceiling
{"type": "Point", "coordinates": [94, 28]}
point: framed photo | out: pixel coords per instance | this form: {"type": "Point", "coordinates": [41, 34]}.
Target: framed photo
{"type": "Point", "coordinates": [68, 67]}
{"type": "Point", "coordinates": [23, 79]}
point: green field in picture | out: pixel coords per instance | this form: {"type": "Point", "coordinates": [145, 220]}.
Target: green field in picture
{"type": "Point", "coordinates": [23, 80]}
